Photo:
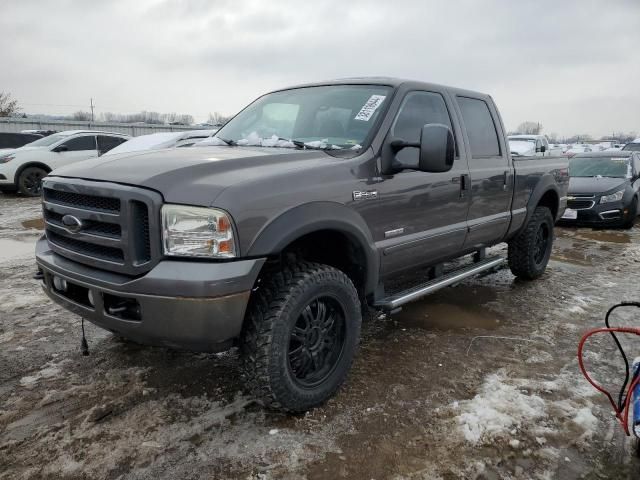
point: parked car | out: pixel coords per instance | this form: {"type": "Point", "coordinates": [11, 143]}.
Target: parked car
{"type": "Point", "coordinates": [43, 133]}
{"type": "Point", "coordinates": [603, 189]}
{"type": "Point", "coordinates": [157, 141]}
{"type": "Point", "coordinates": [576, 149]}
{"type": "Point", "coordinates": [633, 146]}
{"type": "Point", "coordinates": [318, 199]}
{"type": "Point", "coordinates": [24, 168]}
{"type": "Point", "coordinates": [531, 146]}
{"type": "Point", "coordinates": [10, 140]}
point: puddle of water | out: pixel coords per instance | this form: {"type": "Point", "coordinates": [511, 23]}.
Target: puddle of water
{"type": "Point", "coordinates": [35, 223]}
{"type": "Point", "coordinates": [604, 236]}
{"type": "Point", "coordinates": [10, 249]}
{"type": "Point", "coordinates": [450, 309]}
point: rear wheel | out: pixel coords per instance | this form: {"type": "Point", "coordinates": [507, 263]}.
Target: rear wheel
{"type": "Point", "coordinates": [631, 216]}
{"type": "Point", "coordinates": [30, 181]}
{"type": "Point", "coordinates": [301, 333]}
{"type": "Point", "coordinates": [530, 250]}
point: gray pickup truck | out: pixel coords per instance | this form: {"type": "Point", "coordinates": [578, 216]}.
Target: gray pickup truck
{"type": "Point", "coordinates": [308, 206]}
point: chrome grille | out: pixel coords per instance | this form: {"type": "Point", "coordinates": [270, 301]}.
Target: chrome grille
{"type": "Point", "coordinates": [117, 224]}
{"type": "Point", "coordinates": [88, 202]}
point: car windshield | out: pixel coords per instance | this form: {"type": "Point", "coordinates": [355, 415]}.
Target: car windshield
{"type": "Point", "coordinates": [634, 147]}
{"type": "Point", "coordinates": [325, 117]}
{"type": "Point", "coordinates": [599, 167]}
{"type": "Point", "coordinates": [46, 141]}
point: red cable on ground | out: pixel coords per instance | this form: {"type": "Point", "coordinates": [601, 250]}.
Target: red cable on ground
{"type": "Point", "coordinates": [621, 414]}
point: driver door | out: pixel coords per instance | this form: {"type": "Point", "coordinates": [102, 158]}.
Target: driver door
{"type": "Point", "coordinates": [419, 218]}
{"type": "Point", "coordinates": [78, 148]}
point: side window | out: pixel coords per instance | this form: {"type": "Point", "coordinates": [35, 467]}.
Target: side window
{"type": "Point", "coordinates": [538, 145]}
{"type": "Point", "coordinates": [483, 137]}
{"type": "Point", "coordinates": [106, 143]}
{"type": "Point", "coordinates": [417, 110]}
{"type": "Point", "coordinates": [88, 142]}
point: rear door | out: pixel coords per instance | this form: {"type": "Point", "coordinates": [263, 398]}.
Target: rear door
{"type": "Point", "coordinates": [490, 171]}
{"type": "Point", "coordinates": [78, 148]}
{"type": "Point", "coordinates": [418, 217]}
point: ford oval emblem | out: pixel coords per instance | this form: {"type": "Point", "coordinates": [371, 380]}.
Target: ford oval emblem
{"type": "Point", "coordinates": [72, 224]}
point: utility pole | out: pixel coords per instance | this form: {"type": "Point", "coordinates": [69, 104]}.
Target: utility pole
{"type": "Point", "coordinates": [92, 109]}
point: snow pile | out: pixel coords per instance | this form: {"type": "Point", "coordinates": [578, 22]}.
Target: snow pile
{"type": "Point", "coordinates": [256, 140]}
{"type": "Point", "coordinates": [211, 141]}
{"type": "Point", "coordinates": [532, 409]}
{"type": "Point", "coordinates": [497, 409]}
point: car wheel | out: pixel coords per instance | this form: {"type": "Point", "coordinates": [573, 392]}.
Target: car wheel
{"type": "Point", "coordinates": [530, 250]}
{"type": "Point", "coordinates": [633, 213]}
{"type": "Point", "coordinates": [30, 181]}
{"type": "Point", "coordinates": [301, 333]}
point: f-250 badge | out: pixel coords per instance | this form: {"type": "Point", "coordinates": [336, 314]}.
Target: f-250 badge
{"type": "Point", "coordinates": [368, 195]}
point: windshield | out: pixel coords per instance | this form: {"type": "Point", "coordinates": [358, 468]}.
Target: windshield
{"type": "Point", "coordinates": [601, 166]}
{"type": "Point", "coordinates": [46, 141]}
{"type": "Point", "coordinates": [634, 147]}
{"type": "Point", "coordinates": [331, 117]}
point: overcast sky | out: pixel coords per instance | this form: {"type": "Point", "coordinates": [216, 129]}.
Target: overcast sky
{"type": "Point", "coordinates": [574, 66]}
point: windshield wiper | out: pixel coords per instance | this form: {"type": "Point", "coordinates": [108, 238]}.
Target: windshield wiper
{"type": "Point", "coordinates": [231, 143]}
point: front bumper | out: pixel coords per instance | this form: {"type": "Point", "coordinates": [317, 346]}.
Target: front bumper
{"type": "Point", "coordinates": [182, 304]}
{"type": "Point", "coordinates": [606, 214]}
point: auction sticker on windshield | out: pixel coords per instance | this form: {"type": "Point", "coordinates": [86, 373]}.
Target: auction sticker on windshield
{"type": "Point", "coordinates": [570, 214]}
{"type": "Point", "coordinates": [369, 108]}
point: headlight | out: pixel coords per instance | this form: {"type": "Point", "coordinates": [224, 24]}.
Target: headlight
{"type": "Point", "coordinates": [614, 197]}
{"type": "Point", "coordinates": [197, 232]}
{"type": "Point", "coordinates": [7, 158]}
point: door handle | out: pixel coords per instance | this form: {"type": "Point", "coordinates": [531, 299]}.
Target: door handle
{"type": "Point", "coordinates": [465, 184]}
{"type": "Point", "coordinates": [506, 180]}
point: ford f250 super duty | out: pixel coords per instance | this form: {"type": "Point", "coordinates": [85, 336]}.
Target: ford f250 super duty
{"type": "Point", "coordinates": [312, 201]}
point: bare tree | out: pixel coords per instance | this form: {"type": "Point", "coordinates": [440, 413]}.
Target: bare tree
{"type": "Point", "coordinates": [216, 118]}
{"type": "Point", "coordinates": [80, 115]}
{"type": "Point", "coordinates": [8, 106]}
{"type": "Point", "coordinates": [530, 128]}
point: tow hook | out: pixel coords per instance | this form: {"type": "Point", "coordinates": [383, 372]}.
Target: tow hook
{"type": "Point", "coordinates": [39, 275]}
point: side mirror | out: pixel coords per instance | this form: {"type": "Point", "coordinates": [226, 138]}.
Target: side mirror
{"type": "Point", "coordinates": [61, 148]}
{"type": "Point", "coordinates": [437, 150]}
{"type": "Point", "coordinates": [543, 149]}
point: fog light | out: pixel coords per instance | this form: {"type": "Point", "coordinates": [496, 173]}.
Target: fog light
{"type": "Point", "coordinates": [91, 301]}
{"type": "Point", "coordinates": [60, 284]}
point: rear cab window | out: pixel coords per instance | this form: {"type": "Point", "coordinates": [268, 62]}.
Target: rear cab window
{"type": "Point", "coordinates": [480, 127]}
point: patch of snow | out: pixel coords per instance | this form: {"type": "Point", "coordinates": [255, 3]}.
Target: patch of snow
{"type": "Point", "coordinates": [211, 141]}
{"type": "Point", "coordinates": [497, 409]}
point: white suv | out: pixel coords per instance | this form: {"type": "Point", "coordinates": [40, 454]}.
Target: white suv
{"type": "Point", "coordinates": [23, 169]}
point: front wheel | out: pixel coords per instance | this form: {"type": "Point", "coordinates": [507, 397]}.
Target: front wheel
{"type": "Point", "coordinates": [631, 216]}
{"type": "Point", "coordinates": [30, 181]}
{"type": "Point", "coordinates": [300, 336]}
{"type": "Point", "coordinates": [530, 250]}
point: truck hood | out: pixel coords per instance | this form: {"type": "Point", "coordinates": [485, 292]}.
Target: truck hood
{"type": "Point", "coordinates": [194, 176]}
{"type": "Point", "coordinates": [583, 185]}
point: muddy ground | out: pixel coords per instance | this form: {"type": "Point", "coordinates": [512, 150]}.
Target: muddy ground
{"type": "Point", "coordinates": [433, 394]}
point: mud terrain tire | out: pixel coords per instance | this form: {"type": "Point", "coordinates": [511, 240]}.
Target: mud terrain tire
{"type": "Point", "coordinates": [530, 250]}
{"type": "Point", "coordinates": [301, 332]}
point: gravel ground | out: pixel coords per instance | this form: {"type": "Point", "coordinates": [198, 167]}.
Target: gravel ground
{"type": "Point", "coordinates": [433, 393]}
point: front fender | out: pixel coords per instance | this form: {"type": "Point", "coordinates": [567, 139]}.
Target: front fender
{"type": "Point", "coordinates": [313, 217]}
